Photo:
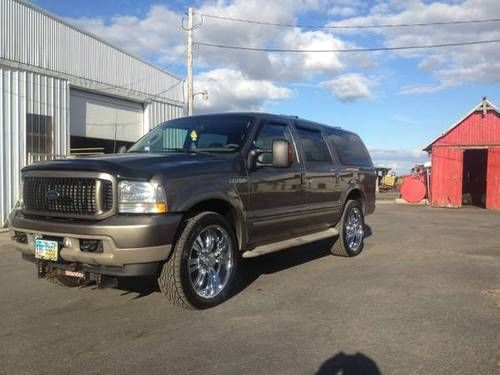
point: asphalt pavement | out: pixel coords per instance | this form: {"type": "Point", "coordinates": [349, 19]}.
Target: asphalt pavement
{"type": "Point", "coordinates": [423, 298]}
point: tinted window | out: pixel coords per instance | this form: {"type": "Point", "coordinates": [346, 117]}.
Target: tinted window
{"type": "Point", "coordinates": [350, 149]}
{"type": "Point", "coordinates": [204, 133]}
{"type": "Point", "coordinates": [315, 149]}
{"type": "Point", "coordinates": [267, 134]}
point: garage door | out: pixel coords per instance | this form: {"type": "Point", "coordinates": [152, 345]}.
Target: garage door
{"type": "Point", "coordinates": [105, 117]}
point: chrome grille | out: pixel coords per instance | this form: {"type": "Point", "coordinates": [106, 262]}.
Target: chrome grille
{"type": "Point", "coordinates": [67, 196]}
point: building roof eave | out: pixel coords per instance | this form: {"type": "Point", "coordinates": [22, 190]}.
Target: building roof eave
{"type": "Point", "coordinates": [484, 104]}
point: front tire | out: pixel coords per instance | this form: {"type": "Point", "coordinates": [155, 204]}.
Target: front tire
{"type": "Point", "coordinates": [202, 268]}
{"type": "Point", "coordinates": [351, 229]}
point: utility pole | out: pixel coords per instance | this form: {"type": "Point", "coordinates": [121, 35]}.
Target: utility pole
{"type": "Point", "coordinates": [190, 62]}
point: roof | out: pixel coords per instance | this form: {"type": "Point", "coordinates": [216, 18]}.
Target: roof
{"type": "Point", "coordinates": [484, 105]}
{"type": "Point", "coordinates": [267, 115]}
{"type": "Point", "coordinates": [92, 35]}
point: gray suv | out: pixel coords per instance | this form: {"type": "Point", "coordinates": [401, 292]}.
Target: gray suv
{"type": "Point", "coordinates": [191, 198]}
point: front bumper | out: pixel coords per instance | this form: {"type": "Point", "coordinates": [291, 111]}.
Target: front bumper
{"type": "Point", "coordinates": [126, 240]}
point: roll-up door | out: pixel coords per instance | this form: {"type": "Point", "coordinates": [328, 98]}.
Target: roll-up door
{"type": "Point", "coordinates": [105, 117]}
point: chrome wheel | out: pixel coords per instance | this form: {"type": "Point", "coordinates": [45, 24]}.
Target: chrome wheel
{"type": "Point", "coordinates": [210, 261]}
{"type": "Point", "coordinates": [354, 230]}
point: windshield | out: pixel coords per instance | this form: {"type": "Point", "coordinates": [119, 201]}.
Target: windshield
{"type": "Point", "coordinates": [201, 133]}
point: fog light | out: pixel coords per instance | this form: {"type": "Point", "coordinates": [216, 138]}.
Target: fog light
{"type": "Point", "coordinates": [91, 246]}
{"type": "Point", "coordinates": [20, 237]}
{"type": "Point", "coordinates": [67, 243]}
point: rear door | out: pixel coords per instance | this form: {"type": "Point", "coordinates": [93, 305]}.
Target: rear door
{"type": "Point", "coordinates": [323, 193]}
{"type": "Point", "coordinates": [278, 196]}
{"type": "Point", "coordinates": [353, 168]}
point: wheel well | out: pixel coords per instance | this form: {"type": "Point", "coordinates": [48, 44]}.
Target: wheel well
{"type": "Point", "coordinates": [223, 208]}
{"type": "Point", "coordinates": [356, 195]}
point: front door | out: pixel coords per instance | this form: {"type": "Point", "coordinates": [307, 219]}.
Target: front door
{"type": "Point", "coordinates": [277, 195]}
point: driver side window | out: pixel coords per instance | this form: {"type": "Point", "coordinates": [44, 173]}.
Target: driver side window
{"type": "Point", "coordinates": [268, 133]}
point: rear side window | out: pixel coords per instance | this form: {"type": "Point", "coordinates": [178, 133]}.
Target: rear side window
{"type": "Point", "coordinates": [350, 149]}
{"type": "Point", "coordinates": [315, 150]}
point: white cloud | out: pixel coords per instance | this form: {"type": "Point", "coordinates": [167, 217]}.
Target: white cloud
{"type": "Point", "coordinates": [349, 87]}
{"type": "Point", "coordinates": [397, 155]}
{"type": "Point", "coordinates": [342, 11]}
{"type": "Point", "coordinates": [404, 119]}
{"type": "Point", "coordinates": [422, 89]}
{"type": "Point", "coordinates": [451, 66]}
{"type": "Point", "coordinates": [231, 90]}
{"type": "Point", "coordinates": [399, 160]}
{"type": "Point", "coordinates": [159, 37]}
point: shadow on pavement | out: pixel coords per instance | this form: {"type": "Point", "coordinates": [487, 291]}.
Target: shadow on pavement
{"type": "Point", "coordinates": [250, 269]}
{"type": "Point", "coordinates": [349, 364]}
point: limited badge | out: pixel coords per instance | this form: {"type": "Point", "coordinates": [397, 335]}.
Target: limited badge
{"type": "Point", "coordinates": [194, 136]}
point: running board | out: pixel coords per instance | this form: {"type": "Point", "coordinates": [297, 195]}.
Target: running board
{"type": "Point", "coordinates": [276, 246]}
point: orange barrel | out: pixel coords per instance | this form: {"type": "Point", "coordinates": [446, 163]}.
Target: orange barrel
{"type": "Point", "coordinates": [413, 190]}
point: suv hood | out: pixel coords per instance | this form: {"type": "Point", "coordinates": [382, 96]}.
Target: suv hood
{"type": "Point", "coordinates": [135, 166]}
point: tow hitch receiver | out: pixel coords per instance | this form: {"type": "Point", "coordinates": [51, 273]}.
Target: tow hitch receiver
{"type": "Point", "coordinates": [103, 281]}
{"type": "Point", "coordinates": [48, 270]}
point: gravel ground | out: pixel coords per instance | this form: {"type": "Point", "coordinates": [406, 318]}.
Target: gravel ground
{"type": "Point", "coordinates": [423, 297]}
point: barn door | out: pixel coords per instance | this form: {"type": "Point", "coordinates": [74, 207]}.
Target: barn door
{"type": "Point", "coordinates": [493, 179]}
{"type": "Point", "coordinates": [446, 176]}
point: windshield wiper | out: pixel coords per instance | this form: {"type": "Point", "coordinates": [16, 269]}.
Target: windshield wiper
{"type": "Point", "coordinates": [186, 150]}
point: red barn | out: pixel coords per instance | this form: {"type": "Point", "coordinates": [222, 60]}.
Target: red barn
{"type": "Point", "coordinates": [466, 161]}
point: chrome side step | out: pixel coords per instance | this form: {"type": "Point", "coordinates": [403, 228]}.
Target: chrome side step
{"type": "Point", "coordinates": [276, 246]}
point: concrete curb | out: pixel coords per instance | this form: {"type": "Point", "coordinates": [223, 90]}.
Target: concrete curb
{"type": "Point", "coordinates": [386, 201]}
{"type": "Point", "coordinates": [423, 202]}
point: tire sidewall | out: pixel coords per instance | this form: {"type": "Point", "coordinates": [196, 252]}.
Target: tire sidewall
{"type": "Point", "coordinates": [349, 206]}
{"type": "Point", "coordinates": [192, 296]}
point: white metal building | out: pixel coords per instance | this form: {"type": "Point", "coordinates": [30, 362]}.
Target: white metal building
{"type": "Point", "coordinates": [62, 89]}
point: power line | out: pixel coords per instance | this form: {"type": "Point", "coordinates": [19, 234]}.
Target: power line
{"type": "Point", "coordinates": [264, 23]}
{"type": "Point", "coordinates": [164, 91]}
{"type": "Point", "coordinates": [224, 46]}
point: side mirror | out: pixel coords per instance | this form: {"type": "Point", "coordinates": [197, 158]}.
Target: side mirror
{"type": "Point", "coordinates": [282, 156]}
{"type": "Point", "coordinates": [282, 153]}
{"type": "Point", "coordinates": [122, 149]}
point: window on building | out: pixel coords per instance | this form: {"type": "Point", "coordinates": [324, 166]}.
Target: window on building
{"type": "Point", "coordinates": [39, 136]}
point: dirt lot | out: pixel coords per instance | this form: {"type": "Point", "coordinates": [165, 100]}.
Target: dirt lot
{"type": "Point", "coordinates": [422, 298]}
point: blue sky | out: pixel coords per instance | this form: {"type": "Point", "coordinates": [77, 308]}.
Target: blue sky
{"type": "Point", "coordinates": [397, 101]}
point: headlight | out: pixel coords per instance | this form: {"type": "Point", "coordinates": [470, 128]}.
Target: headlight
{"type": "Point", "coordinates": [20, 201]}
{"type": "Point", "coordinates": [141, 198]}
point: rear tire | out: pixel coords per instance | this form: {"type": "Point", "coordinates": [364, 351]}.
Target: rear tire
{"type": "Point", "coordinates": [202, 268]}
{"type": "Point", "coordinates": [351, 231]}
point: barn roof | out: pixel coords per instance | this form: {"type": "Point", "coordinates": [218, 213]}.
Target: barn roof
{"type": "Point", "coordinates": [484, 105]}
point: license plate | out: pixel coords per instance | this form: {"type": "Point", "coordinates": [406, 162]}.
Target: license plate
{"type": "Point", "coordinates": [78, 274]}
{"type": "Point", "coordinates": [46, 250]}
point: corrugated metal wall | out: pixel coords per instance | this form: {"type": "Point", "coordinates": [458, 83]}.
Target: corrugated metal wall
{"type": "Point", "coordinates": [23, 93]}
{"type": "Point", "coordinates": [33, 37]}
{"type": "Point", "coordinates": [493, 178]}
{"type": "Point", "coordinates": [157, 112]}
{"type": "Point", "coordinates": [446, 177]}
{"type": "Point", "coordinates": [41, 56]}
{"type": "Point", "coordinates": [476, 130]}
